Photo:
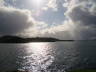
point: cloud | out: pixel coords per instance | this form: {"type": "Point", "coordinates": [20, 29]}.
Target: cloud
{"type": "Point", "coordinates": [1, 2]}
{"type": "Point", "coordinates": [62, 31]}
{"type": "Point", "coordinates": [41, 29]}
{"type": "Point", "coordinates": [80, 23]}
{"type": "Point", "coordinates": [83, 15]}
{"type": "Point", "coordinates": [51, 4]}
{"type": "Point", "coordinates": [29, 4]}
{"type": "Point", "coordinates": [19, 22]}
{"type": "Point", "coordinates": [14, 21]}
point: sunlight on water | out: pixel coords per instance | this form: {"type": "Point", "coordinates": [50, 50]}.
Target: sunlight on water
{"type": "Point", "coordinates": [38, 48]}
{"type": "Point", "coordinates": [47, 57]}
{"type": "Point", "coordinates": [38, 57]}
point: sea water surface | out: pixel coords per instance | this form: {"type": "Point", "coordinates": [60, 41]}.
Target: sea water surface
{"type": "Point", "coordinates": [48, 56]}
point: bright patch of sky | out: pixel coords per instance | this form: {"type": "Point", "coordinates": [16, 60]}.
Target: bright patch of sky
{"type": "Point", "coordinates": [43, 10]}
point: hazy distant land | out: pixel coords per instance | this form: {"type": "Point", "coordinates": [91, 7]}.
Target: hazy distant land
{"type": "Point", "coordinates": [16, 39]}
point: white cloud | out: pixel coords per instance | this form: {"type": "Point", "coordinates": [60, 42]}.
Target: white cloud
{"type": "Point", "coordinates": [63, 31]}
{"type": "Point", "coordinates": [51, 4]}
{"type": "Point", "coordinates": [1, 2]}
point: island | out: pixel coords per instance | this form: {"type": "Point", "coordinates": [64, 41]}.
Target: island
{"type": "Point", "coordinates": [17, 39]}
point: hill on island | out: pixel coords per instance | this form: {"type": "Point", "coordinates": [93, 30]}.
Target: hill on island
{"type": "Point", "coordinates": [16, 39]}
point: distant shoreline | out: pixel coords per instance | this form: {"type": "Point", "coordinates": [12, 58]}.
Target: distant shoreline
{"type": "Point", "coordinates": [16, 39]}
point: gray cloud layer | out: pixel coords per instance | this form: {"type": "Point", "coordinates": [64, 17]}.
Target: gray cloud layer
{"type": "Point", "coordinates": [14, 21]}
{"type": "Point", "coordinates": [83, 16]}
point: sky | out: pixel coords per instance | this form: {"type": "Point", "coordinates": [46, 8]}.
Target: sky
{"type": "Point", "coordinates": [63, 19]}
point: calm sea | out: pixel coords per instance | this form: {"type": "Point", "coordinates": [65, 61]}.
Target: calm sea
{"type": "Point", "coordinates": [48, 56]}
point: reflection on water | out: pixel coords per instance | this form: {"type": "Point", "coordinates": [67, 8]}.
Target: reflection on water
{"type": "Point", "coordinates": [48, 57]}
{"type": "Point", "coordinates": [38, 57]}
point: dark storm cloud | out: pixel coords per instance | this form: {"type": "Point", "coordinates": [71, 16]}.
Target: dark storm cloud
{"type": "Point", "coordinates": [14, 21]}
{"type": "Point", "coordinates": [84, 18]}
{"type": "Point", "coordinates": [79, 15]}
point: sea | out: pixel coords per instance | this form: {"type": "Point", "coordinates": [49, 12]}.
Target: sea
{"type": "Point", "coordinates": [48, 56]}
